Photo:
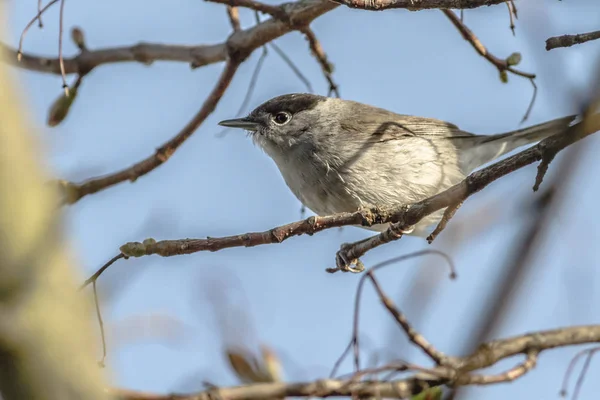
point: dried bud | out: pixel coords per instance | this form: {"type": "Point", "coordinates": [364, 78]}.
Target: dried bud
{"type": "Point", "coordinates": [61, 106]}
{"type": "Point", "coordinates": [78, 37]}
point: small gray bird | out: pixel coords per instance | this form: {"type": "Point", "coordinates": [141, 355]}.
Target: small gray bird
{"type": "Point", "coordinates": [340, 155]}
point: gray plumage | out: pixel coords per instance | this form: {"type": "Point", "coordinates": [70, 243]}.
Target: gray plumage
{"type": "Point", "coordinates": [339, 155]}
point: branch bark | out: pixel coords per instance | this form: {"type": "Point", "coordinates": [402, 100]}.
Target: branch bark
{"type": "Point", "coordinates": [488, 354]}
{"type": "Point", "coordinates": [571, 40]}
{"type": "Point", "coordinates": [245, 41]}
{"type": "Point", "coordinates": [73, 192]}
{"type": "Point", "coordinates": [416, 5]}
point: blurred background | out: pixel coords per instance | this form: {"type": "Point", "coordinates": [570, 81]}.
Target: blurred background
{"type": "Point", "coordinates": [168, 320]}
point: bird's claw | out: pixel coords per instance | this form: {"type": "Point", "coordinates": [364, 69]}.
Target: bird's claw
{"type": "Point", "coordinates": [344, 264]}
{"type": "Point", "coordinates": [401, 230]}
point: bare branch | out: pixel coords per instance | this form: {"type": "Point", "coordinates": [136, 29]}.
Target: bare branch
{"type": "Point", "coordinates": [234, 18]}
{"type": "Point", "coordinates": [277, 12]}
{"type": "Point", "coordinates": [414, 336]}
{"type": "Point", "coordinates": [589, 354]}
{"type": "Point", "coordinates": [318, 52]}
{"type": "Point", "coordinates": [102, 361]}
{"type": "Point", "coordinates": [413, 5]}
{"type": "Point", "coordinates": [244, 42]}
{"type": "Point", "coordinates": [571, 40]}
{"type": "Point", "coordinates": [510, 375]}
{"type": "Point", "coordinates": [38, 17]}
{"type": "Point", "coordinates": [99, 272]}
{"type": "Point", "coordinates": [164, 152]}
{"type": "Point", "coordinates": [488, 354]}
{"type": "Point", "coordinates": [448, 214]}
{"type": "Point", "coordinates": [61, 24]}
{"type": "Point", "coordinates": [503, 65]}
{"type": "Point", "coordinates": [286, 59]}
{"type": "Point", "coordinates": [512, 15]}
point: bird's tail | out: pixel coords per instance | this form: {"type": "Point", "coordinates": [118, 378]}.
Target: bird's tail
{"type": "Point", "coordinates": [493, 146]}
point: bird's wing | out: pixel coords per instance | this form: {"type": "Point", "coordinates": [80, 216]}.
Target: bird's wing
{"type": "Point", "coordinates": [386, 125]}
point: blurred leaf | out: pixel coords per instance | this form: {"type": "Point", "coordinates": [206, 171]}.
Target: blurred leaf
{"type": "Point", "coordinates": [245, 366]}
{"type": "Point", "coordinates": [272, 364]}
{"type": "Point", "coordinates": [250, 369]}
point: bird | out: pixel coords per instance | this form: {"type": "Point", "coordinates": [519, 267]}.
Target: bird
{"type": "Point", "coordinates": [339, 155]}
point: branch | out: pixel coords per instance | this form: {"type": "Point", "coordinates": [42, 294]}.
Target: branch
{"type": "Point", "coordinates": [570, 40]}
{"type": "Point", "coordinates": [277, 12]}
{"type": "Point", "coordinates": [317, 51]}
{"type": "Point", "coordinates": [243, 42]}
{"type": "Point", "coordinates": [416, 5]}
{"type": "Point", "coordinates": [488, 354]}
{"type": "Point", "coordinates": [75, 191]}
{"type": "Point", "coordinates": [503, 65]}
{"type": "Point", "coordinates": [301, 13]}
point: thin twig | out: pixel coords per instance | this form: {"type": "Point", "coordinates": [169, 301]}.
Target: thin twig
{"type": "Point", "coordinates": [354, 343]}
{"type": "Point", "coordinates": [101, 325]}
{"type": "Point", "coordinates": [234, 18]}
{"type": "Point", "coordinates": [512, 14]}
{"type": "Point", "coordinates": [274, 11]}
{"type": "Point", "coordinates": [587, 352]}
{"type": "Point", "coordinates": [571, 40]}
{"type": "Point", "coordinates": [61, 62]}
{"type": "Point", "coordinates": [39, 16]}
{"type": "Point", "coordinates": [448, 214]}
{"type": "Point", "coordinates": [502, 65]}
{"type": "Point", "coordinates": [29, 24]}
{"type": "Point", "coordinates": [244, 41]}
{"type": "Point", "coordinates": [508, 376]}
{"type": "Point", "coordinates": [437, 356]}
{"type": "Point", "coordinates": [96, 275]}
{"type": "Point", "coordinates": [582, 375]}
{"type": "Point", "coordinates": [341, 358]}
{"type": "Point", "coordinates": [292, 66]}
{"type": "Point", "coordinates": [317, 51]}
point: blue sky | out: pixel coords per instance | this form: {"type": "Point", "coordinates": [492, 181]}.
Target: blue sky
{"type": "Point", "coordinates": [408, 62]}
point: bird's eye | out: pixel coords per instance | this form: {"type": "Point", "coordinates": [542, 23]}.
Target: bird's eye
{"type": "Point", "coordinates": [282, 118]}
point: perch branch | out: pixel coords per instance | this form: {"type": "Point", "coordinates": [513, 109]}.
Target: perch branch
{"type": "Point", "coordinates": [402, 216]}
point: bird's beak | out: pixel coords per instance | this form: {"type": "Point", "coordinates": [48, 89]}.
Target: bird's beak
{"type": "Point", "coordinates": [243, 123]}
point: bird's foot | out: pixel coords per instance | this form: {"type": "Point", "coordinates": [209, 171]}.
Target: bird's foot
{"type": "Point", "coordinates": [344, 263]}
